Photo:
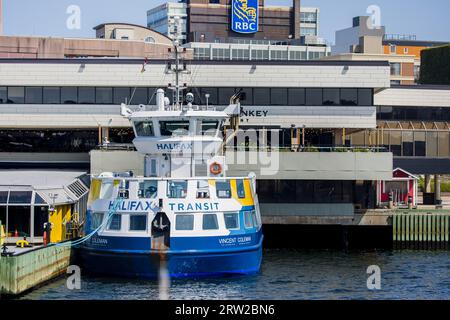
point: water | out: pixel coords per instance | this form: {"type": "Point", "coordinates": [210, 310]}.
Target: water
{"type": "Point", "coordinates": [288, 275]}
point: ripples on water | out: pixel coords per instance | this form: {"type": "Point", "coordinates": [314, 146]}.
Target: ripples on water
{"type": "Point", "coordinates": [288, 275]}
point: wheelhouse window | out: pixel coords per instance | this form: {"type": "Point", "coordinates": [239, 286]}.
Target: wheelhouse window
{"type": "Point", "coordinates": [144, 129]}
{"type": "Point", "coordinates": [148, 189]}
{"type": "Point", "coordinates": [170, 128]}
{"type": "Point", "coordinates": [203, 189]}
{"type": "Point", "coordinates": [115, 224]}
{"type": "Point", "coordinates": [97, 220]}
{"type": "Point", "coordinates": [223, 189]}
{"type": "Point", "coordinates": [240, 189]}
{"type": "Point", "coordinates": [177, 189]}
{"type": "Point", "coordinates": [138, 222]}
{"type": "Point", "coordinates": [210, 222]}
{"type": "Point", "coordinates": [231, 220]}
{"type": "Point", "coordinates": [184, 222]}
{"type": "Point", "coordinates": [248, 219]}
{"type": "Point", "coordinates": [209, 127]}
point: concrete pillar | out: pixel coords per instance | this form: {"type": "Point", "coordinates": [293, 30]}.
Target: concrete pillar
{"type": "Point", "coordinates": [427, 184]}
{"type": "Point", "coordinates": [437, 191]}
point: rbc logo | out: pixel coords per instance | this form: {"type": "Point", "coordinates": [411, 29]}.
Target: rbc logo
{"type": "Point", "coordinates": [244, 16]}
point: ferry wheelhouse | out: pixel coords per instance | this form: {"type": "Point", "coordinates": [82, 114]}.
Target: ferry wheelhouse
{"type": "Point", "coordinates": [185, 212]}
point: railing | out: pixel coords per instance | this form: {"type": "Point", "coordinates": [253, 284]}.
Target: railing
{"type": "Point", "coordinates": [295, 148]}
{"type": "Point", "coordinates": [400, 37]}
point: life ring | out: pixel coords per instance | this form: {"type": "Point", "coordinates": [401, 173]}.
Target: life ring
{"type": "Point", "coordinates": [215, 168]}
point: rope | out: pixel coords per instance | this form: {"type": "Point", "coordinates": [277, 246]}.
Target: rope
{"type": "Point", "coordinates": [111, 212]}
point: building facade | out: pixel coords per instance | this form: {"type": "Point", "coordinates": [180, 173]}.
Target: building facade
{"type": "Point", "coordinates": [368, 42]}
{"type": "Point", "coordinates": [210, 21]}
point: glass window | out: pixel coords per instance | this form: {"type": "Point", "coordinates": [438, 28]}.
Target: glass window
{"type": "Point", "coordinates": [139, 96]}
{"type": "Point", "coordinates": [209, 127]}
{"type": "Point", "coordinates": [184, 222]}
{"type": "Point", "coordinates": [247, 99]}
{"type": "Point", "coordinates": [444, 144]}
{"type": "Point", "coordinates": [331, 97]}
{"type": "Point", "coordinates": [40, 218]}
{"type": "Point", "coordinates": [365, 97]}
{"type": "Point", "coordinates": [203, 189]}
{"type": "Point", "coordinates": [152, 96]}
{"type": "Point", "coordinates": [144, 129]}
{"type": "Point", "coordinates": [255, 220]}
{"type": "Point", "coordinates": [213, 96]}
{"type": "Point", "coordinates": [33, 95]}
{"type": "Point", "coordinates": [349, 97]}
{"type": "Point", "coordinates": [138, 222]}
{"type": "Point", "coordinates": [19, 219]}
{"type": "Point", "coordinates": [240, 189]}
{"type": "Point", "coordinates": [278, 97]}
{"type": "Point", "coordinates": [148, 189]}
{"type": "Point", "coordinates": [115, 223]}
{"type": "Point", "coordinates": [69, 95]}
{"type": "Point", "coordinates": [3, 95]}
{"type": "Point", "coordinates": [225, 95]}
{"type": "Point", "coordinates": [16, 95]}
{"type": "Point", "coordinates": [104, 95]}
{"type": "Point", "coordinates": [396, 142]}
{"type": "Point", "coordinates": [177, 189]}
{"type": "Point", "coordinates": [210, 222]}
{"type": "Point", "coordinates": [231, 221]}
{"type": "Point", "coordinates": [38, 199]}
{"type": "Point", "coordinates": [296, 97]}
{"type": "Point", "coordinates": [97, 220]}
{"type": "Point", "coordinates": [248, 220]}
{"type": "Point", "coordinates": [21, 197]}
{"type": "Point", "coordinates": [408, 143]}
{"type": "Point", "coordinates": [3, 216]}
{"type": "Point", "coordinates": [3, 196]}
{"type": "Point", "coordinates": [169, 128]}
{"type": "Point", "coordinates": [121, 95]}
{"type": "Point", "coordinates": [314, 97]}
{"type": "Point", "coordinates": [86, 95]}
{"type": "Point", "coordinates": [432, 145]}
{"type": "Point", "coordinates": [52, 95]}
{"type": "Point", "coordinates": [261, 96]}
{"type": "Point", "coordinates": [223, 189]}
{"type": "Point", "coordinates": [419, 144]}
{"type": "Point", "coordinates": [396, 69]}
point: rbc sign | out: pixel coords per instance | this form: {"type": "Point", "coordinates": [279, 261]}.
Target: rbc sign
{"type": "Point", "coordinates": [244, 16]}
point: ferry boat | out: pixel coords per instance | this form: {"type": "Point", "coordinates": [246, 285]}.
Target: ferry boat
{"type": "Point", "coordinates": [184, 213]}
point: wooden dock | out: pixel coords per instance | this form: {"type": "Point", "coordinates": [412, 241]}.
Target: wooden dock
{"type": "Point", "coordinates": [26, 269]}
{"type": "Point", "coordinates": [421, 229]}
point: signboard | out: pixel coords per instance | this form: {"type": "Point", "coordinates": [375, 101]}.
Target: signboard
{"type": "Point", "coordinates": [244, 16]}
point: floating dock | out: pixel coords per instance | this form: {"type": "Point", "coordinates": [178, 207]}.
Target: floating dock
{"type": "Point", "coordinates": [26, 268]}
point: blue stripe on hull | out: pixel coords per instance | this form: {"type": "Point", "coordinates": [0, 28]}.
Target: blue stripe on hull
{"type": "Point", "coordinates": [146, 265]}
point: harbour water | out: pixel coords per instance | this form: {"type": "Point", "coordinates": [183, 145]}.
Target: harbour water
{"type": "Point", "coordinates": [287, 275]}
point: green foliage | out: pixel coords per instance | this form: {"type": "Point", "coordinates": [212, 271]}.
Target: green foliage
{"type": "Point", "coordinates": [435, 66]}
{"type": "Point", "coordinates": [445, 186]}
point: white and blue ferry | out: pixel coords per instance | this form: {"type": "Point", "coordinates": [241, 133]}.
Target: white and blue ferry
{"type": "Point", "coordinates": [185, 211]}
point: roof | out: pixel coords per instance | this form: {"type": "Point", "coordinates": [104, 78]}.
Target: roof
{"type": "Point", "coordinates": [131, 25]}
{"type": "Point", "coordinates": [415, 43]}
{"type": "Point", "coordinates": [408, 173]}
{"type": "Point", "coordinates": [53, 186]}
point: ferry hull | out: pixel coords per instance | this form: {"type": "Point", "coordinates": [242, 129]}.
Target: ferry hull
{"type": "Point", "coordinates": [179, 265]}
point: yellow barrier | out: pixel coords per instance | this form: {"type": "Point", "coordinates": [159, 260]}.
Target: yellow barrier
{"type": "Point", "coordinates": [2, 234]}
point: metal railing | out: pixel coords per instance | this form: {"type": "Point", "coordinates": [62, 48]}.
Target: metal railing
{"type": "Point", "coordinates": [295, 148]}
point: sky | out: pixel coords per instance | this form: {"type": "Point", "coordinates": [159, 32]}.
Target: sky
{"type": "Point", "coordinates": [428, 20]}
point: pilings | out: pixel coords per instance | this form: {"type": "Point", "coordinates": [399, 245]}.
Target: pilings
{"type": "Point", "coordinates": [420, 230]}
{"type": "Point", "coordinates": [19, 273]}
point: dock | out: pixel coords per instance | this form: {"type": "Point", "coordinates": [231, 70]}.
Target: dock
{"type": "Point", "coordinates": [26, 268]}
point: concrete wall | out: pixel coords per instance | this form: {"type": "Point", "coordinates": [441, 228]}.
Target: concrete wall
{"type": "Point", "coordinates": [315, 165]}
{"type": "Point", "coordinates": [208, 74]}
{"type": "Point", "coordinates": [285, 165]}
{"type": "Point", "coordinates": [413, 97]}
